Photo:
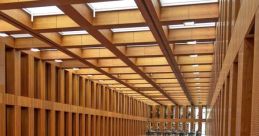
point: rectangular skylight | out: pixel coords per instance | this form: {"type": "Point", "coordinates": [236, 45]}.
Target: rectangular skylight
{"type": "Point", "coordinates": [194, 25]}
{"type": "Point", "coordinates": [130, 29]}
{"type": "Point", "coordinates": [21, 35]}
{"type": "Point", "coordinates": [44, 11]}
{"type": "Point", "coordinates": [113, 5]}
{"type": "Point", "coordinates": [194, 42]}
{"type": "Point", "coordinates": [184, 2]}
{"type": "Point", "coordinates": [73, 32]}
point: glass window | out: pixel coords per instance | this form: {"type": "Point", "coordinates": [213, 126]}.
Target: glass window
{"type": "Point", "coordinates": [44, 11]}
{"type": "Point", "coordinates": [196, 126]}
{"type": "Point", "coordinates": [204, 112]}
{"type": "Point", "coordinates": [203, 129]}
{"type": "Point", "coordinates": [196, 110]}
{"type": "Point", "coordinates": [180, 112]}
{"type": "Point", "coordinates": [113, 5]}
{"type": "Point", "coordinates": [184, 2]}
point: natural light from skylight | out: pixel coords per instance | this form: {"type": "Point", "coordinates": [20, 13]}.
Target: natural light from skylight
{"type": "Point", "coordinates": [192, 25]}
{"type": "Point", "coordinates": [21, 35]}
{"type": "Point", "coordinates": [73, 32]}
{"type": "Point", "coordinates": [44, 11]}
{"type": "Point", "coordinates": [184, 2]}
{"type": "Point", "coordinates": [113, 5]}
{"type": "Point", "coordinates": [130, 29]}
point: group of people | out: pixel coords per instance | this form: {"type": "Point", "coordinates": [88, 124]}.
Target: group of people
{"type": "Point", "coordinates": [173, 132]}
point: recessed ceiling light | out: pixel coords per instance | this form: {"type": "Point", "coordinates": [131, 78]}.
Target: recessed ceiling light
{"type": "Point", "coordinates": [44, 11]}
{"type": "Point", "coordinates": [130, 29]}
{"type": "Point", "coordinates": [189, 23]}
{"type": "Point", "coordinates": [197, 83]}
{"type": "Point", "coordinates": [73, 32]}
{"type": "Point", "coordinates": [21, 35]}
{"type": "Point", "coordinates": [3, 35]}
{"type": "Point", "coordinates": [35, 49]}
{"type": "Point", "coordinates": [194, 56]}
{"type": "Point", "coordinates": [197, 78]}
{"type": "Point", "coordinates": [195, 65]}
{"type": "Point", "coordinates": [113, 5]}
{"type": "Point", "coordinates": [185, 2]}
{"type": "Point", "coordinates": [192, 42]}
{"type": "Point", "coordinates": [192, 25]}
{"type": "Point", "coordinates": [58, 60]}
{"type": "Point", "coordinates": [196, 73]}
{"type": "Point", "coordinates": [75, 69]}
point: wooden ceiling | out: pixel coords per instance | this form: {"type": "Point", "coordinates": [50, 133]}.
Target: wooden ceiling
{"type": "Point", "coordinates": [155, 65]}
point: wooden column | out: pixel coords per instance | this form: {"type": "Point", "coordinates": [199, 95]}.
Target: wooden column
{"type": "Point", "coordinates": [255, 89]}
{"type": "Point", "coordinates": [2, 90]}
{"type": "Point", "coordinates": [244, 90]}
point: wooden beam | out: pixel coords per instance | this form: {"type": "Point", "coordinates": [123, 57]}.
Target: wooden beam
{"type": "Point", "coordinates": [76, 12]}
{"type": "Point", "coordinates": [150, 10]}
{"type": "Point", "coordinates": [54, 41]}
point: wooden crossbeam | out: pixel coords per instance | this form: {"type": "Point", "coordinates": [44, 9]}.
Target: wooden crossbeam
{"type": "Point", "coordinates": [149, 11]}
{"type": "Point", "coordinates": [54, 41]}
{"type": "Point", "coordinates": [78, 12]}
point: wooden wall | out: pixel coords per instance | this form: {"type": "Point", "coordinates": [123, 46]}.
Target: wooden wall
{"type": "Point", "coordinates": [37, 98]}
{"type": "Point", "coordinates": [233, 100]}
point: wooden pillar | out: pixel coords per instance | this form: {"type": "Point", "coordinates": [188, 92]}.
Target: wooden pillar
{"type": "Point", "coordinates": [232, 100]}
{"type": "Point", "coordinates": [2, 90]}
{"type": "Point", "coordinates": [244, 90]}
{"type": "Point", "coordinates": [255, 89]}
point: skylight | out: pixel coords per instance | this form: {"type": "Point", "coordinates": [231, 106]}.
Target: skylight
{"type": "Point", "coordinates": [73, 32]}
{"type": "Point", "coordinates": [184, 2]}
{"type": "Point", "coordinates": [44, 11]}
{"type": "Point", "coordinates": [113, 5]}
{"type": "Point", "coordinates": [130, 29]}
{"type": "Point", "coordinates": [21, 35]}
{"type": "Point", "coordinates": [192, 25]}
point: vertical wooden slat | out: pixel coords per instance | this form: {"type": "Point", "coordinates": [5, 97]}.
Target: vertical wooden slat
{"type": "Point", "coordinates": [255, 91]}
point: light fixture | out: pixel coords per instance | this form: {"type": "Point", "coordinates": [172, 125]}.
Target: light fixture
{"type": "Point", "coordinates": [130, 29]}
{"type": "Point", "coordinates": [184, 2]}
{"type": "Point", "coordinates": [197, 78]}
{"type": "Point", "coordinates": [191, 42]}
{"type": "Point", "coordinates": [189, 23]}
{"type": "Point", "coordinates": [196, 73]}
{"type": "Point", "coordinates": [58, 60]}
{"type": "Point", "coordinates": [89, 75]}
{"type": "Point", "coordinates": [81, 32]}
{"type": "Point", "coordinates": [198, 87]}
{"type": "Point", "coordinates": [44, 11]}
{"type": "Point", "coordinates": [113, 5]}
{"type": "Point", "coordinates": [197, 83]}
{"type": "Point", "coordinates": [75, 69]}
{"type": "Point", "coordinates": [195, 65]}
{"type": "Point", "coordinates": [21, 35]}
{"type": "Point", "coordinates": [35, 50]}
{"type": "Point", "coordinates": [194, 56]}
{"type": "Point", "coordinates": [3, 35]}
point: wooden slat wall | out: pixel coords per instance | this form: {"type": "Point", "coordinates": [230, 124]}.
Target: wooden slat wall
{"type": "Point", "coordinates": [233, 100]}
{"type": "Point", "coordinates": [39, 98]}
